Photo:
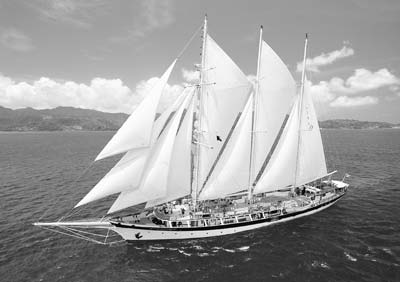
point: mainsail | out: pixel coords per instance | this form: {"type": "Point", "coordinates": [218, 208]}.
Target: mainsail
{"type": "Point", "coordinates": [276, 92]}
{"type": "Point", "coordinates": [225, 92]}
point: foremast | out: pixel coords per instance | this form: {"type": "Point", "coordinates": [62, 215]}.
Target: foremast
{"type": "Point", "coordinates": [199, 130]}
{"type": "Point", "coordinates": [300, 112]}
{"type": "Point", "coordinates": [254, 111]}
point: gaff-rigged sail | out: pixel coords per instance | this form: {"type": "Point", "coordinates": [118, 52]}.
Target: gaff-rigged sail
{"type": "Point", "coordinates": [126, 174]}
{"type": "Point", "coordinates": [137, 129]}
{"type": "Point", "coordinates": [153, 183]}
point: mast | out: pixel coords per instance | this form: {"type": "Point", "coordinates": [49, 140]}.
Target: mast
{"type": "Point", "coordinates": [199, 115]}
{"type": "Point", "coordinates": [254, 121]}
{"type": "Point", "coordinates": [303, 76]}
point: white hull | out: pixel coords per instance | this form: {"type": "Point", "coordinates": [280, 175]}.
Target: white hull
{"type": "Point", "coordinates": [143, 233]}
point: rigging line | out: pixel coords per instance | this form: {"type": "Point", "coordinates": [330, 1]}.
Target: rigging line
{"type": "Point", "coordinates": [190, 41]}
{"type": "Point", "coordinates": [72, 235]}
{"type": "Point", "coordinates": [105, 240]}
{"type": "Point", "coordinates": [272, 150]}
{"type": "Point", "coordinates": [85, 232]}
{"type": "Point", "coordinates": [173, 112]}
{"type": "Point", "coordinates": [77, 233]}
{"type": "Point", "coordinates": [248, 85]}
{"type": "Point", "coordinates": [227, 139]}
{"type": "Point", "coordinates": [73, 182]}
{"type": "Point", "coordinates": [73, 210]}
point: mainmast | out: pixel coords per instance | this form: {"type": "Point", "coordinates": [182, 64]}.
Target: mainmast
{"type": "Point", "coordinates": [254, 121]}
{"type": "Point", "coordinates": [199, 115]}
{"type": "Point", "coordinates": [303, 77]}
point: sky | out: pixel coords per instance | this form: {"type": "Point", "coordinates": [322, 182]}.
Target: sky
{"type": "Point", "coordinates": [104, 55]}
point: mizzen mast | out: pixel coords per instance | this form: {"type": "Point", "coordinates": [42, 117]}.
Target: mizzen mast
{"type": "Point", "coordinates": [303, 77]}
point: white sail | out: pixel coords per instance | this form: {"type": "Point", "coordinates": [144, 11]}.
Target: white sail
{"type": "Point", "coordinates": [162, 121]}
{"type": "Point", "coordinates": [297, 160]}
{"type": "Point", "coordinates": [154, 180]}
{"type": "Point", "coordinates": [179, 178]}
{"type": "Point", "coordinates": [276, 92]}
{"type": "Point", "coordinates": [225, 92]}
{"type": "Point", "coordinates": [231, 173]}
{"type": "Point", "coordinates": [137, 129]}
{"type": "Point", "coordinates": [311, 160]}
{"type": "Point", "coordinates": [281, 169]}
{"type": "Point", "coordinates": [126, 174]}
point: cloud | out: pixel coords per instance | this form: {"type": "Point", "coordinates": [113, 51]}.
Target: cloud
{"type": "Point", "coordinates": [190, 75]}
{"type": "Point", "coordinates": [320, 92]}
{"type": "Point", "coordinates": [16, 40]}
{"type": "Point", "coordinates": [170, 93]}
{"type": "Point", "coordinates": [152, 15]}
{"type": "Point", "coordinates": [109, 95]}
{"type": "Point", "coordinates": [362, 80]}
{"type": "Point", "coordinates": [345, 101]}
{"type": "Point", "coordinates": [72, 12]}
{"type": "Point", "coordinates": [324, 59]}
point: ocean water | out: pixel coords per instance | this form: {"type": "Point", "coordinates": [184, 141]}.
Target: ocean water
{"type": "Point", "coordinates": [358, 239]}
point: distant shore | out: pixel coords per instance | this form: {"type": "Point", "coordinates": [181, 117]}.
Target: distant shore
{"type": "Point", "coordinates": [69, 119]}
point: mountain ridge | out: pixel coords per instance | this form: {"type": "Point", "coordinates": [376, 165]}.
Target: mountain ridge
{"type": "Point", "coordinates": [78, 119]}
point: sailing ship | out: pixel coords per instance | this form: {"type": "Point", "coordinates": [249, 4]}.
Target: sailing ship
{"type": "Point", "coordinates": [226, 156]}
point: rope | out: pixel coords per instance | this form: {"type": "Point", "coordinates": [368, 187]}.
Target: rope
{"type": "Point", "coordinates": [188, 43]}
{"type": "Point", "coordinates": [84, 232]}
{"type": "Point", "coordinates": [105, 239]}
{"type": "Point", "coordinates": [71, 232]}
{"type": "Point", "coordinates": [74, 211]}
{"type": "Point", "coordinates": [58, 199]}
{"type": "Point", "coordinates": [73, 235]}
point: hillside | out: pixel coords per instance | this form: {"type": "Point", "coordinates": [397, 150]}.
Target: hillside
{"type": "Point", "coordinates": [354, 124]}
{"type": "Point", "coordinates": [58, 119]}
{"type": "Point", "coordinates": [69, 118]}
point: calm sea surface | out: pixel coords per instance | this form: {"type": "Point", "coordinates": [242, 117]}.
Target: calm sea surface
{"type": "Point", "coordinates": [358, 239]}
